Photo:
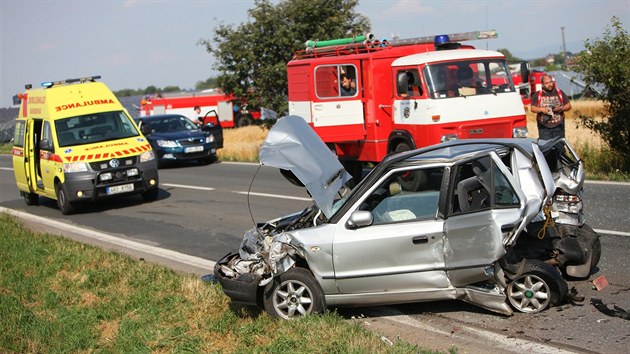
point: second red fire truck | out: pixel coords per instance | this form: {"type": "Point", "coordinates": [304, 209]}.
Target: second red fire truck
{"type": "Point", "coordinates": [367, 98]}
{"type": "Point", "coordinates": [230, 115]}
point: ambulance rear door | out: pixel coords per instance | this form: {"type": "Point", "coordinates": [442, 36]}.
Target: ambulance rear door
{"type": "Point", "coordinates": [24, 155]}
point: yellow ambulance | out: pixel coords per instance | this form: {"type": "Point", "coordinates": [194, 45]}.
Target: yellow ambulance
{"type": "Point", "coordinates": [74, 142]}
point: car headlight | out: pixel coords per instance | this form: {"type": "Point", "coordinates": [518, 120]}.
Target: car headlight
{"type": "Point", "coordinates": [75, 167]}
{"type": "Point", "coordinates": [147, 156]}
{"type": "Point", "coordinates": [568, 203]}
{"type": "Point", "coordinates": [519, 132]}
{"type": "Point", "coordinates": [167, 143]}
{"type": "Point", "coordinates": [210, 139]}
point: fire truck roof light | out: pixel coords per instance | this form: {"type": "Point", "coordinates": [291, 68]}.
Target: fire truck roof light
{"type": "Point", "coordinates": [441, 39]}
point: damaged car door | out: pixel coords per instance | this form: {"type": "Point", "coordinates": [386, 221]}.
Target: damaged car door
{"type": "Point", "coordinates": [486, 207]}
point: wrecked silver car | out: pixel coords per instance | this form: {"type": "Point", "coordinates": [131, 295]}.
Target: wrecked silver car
{"type": "Point", "coordinates": [473, 220]}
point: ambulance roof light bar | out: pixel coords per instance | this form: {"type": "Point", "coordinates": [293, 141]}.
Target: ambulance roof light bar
{"type": "Point", "coordinates": [49, 84]}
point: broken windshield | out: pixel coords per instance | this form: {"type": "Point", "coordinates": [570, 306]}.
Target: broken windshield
{"type": "Point", "coordinates": [468, 78]}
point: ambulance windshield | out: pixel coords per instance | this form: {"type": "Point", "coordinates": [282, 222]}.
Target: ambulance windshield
{"type": "Point", "coordinates": [93, 128]}
{"type": "Point", "coordinates": [468, 78]}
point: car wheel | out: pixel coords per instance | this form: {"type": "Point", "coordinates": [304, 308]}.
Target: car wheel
{"type": "Point", "coordinates": [62, 200]}
{"type": "Point", "coordinates": [294, 293]}
{"type": "Point", "coordinates": [30, 198]}
{"type": "Point", "coordinates": [537, 287]}
{"type": "Point", "coordinates": [150, 195]}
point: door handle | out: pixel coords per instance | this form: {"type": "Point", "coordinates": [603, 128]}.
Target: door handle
{"type": "Point", "coordinates": [420, 239]}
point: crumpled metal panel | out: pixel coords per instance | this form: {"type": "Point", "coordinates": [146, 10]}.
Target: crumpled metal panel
{"type": "Point", "coordinates": [291, 144]}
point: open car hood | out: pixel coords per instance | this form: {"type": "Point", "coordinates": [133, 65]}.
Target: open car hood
{"type": "Point", "coordinates": [292, 145]}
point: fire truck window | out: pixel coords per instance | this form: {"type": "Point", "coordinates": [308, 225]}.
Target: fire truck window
{"type": "Point", "coordinates": [408, 83]}
{"type": "Point", "coordinates": [333, 81]}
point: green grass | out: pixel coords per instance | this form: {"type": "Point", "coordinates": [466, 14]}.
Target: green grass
{"type": "Point", "coordinates": [57, 295]}
{"type": "Point", "coordinates": [5, 148]}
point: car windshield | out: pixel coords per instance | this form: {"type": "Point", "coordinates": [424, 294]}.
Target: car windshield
{"type": "Point", "coordinates": [468, 78]}
{"type": "Point", "coordinates": [94, 127]}
{"type": "Point", "coordinates": [170, 124]}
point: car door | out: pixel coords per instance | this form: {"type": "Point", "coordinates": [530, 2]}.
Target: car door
{"type": "Point", "coordinates": [486, 207]}
{"type": "Point", "coordinates": [400, 250]}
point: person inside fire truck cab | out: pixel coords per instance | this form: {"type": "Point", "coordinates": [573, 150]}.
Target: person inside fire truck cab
{"type": "Point", "coordinates": [549, 104]}
{"type": "Point", "coordinates": [408, 85]}
{"type": "Point", "coordinates": [442, 86]}
{"type": "Point", "coordinates": [348, 86]}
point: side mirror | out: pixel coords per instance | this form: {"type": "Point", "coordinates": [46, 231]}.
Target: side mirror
{"type": "Point", "coordinates": [145, 129]}
{"type": "Point", "coordinates": [360, 218]}
{"type": "Point", "coordinates": [46, 145]}
{"type": "Point", "coordinates": [525, 71]}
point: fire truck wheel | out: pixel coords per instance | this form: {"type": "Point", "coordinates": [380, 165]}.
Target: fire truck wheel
{"type": "Point", "coordinates": [30, 198]}
{"type": "Point", "coordinates": [63, 204]}
{"type": "Point", "coordinates": [244, 121]}
{"type": "Point", "coordinates": [402, 147]}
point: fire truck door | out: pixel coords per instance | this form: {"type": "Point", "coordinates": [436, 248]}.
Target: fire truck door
{"type": "Point", "coordinates": [337, 104]}
{"type": "Point", "coordinates": [226, 111]}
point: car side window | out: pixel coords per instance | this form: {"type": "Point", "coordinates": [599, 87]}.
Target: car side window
{"type": "Point", "coordinates": [405, 196]}
{"type": "Point", "coordinates": [479, 184]}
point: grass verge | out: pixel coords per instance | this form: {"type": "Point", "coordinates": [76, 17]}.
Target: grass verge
{"type": "Point", "coordinates": [58, 295]}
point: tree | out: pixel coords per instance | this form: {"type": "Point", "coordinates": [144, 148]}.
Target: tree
{"type": "Point", "coordinates": [604, 65]}
{"type": "Point", "coordinates": [508, 56]}
{"type": "Point", "coordinates": [252, 57]}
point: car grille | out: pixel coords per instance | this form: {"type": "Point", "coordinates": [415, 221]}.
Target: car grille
{"type": "Point", "coordinates": [191, 141]}
{"type": "Point", "coordinates": [104, 164]}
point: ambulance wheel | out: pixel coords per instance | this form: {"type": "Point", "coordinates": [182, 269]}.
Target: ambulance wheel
{"type": "Point", "coordinates": [62, 200]}
{"type": "Point", "coordinates": [30, 198]}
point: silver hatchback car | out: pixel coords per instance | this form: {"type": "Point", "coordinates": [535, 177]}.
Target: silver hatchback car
{"type": "Point", "coordinates": [473, 220]}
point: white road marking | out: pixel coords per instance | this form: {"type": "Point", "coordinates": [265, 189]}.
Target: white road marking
{"type": "Point", "coordinates": [100, 236]}
{"type": "Point", "coordinates": [187, 186]}
{"type": "Point", "coordinates": [610, 232]}
{"type": "Point", "coordinates": [6, 169]}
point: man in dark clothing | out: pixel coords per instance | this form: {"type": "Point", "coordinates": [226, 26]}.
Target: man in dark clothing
{"type": "Point", "coordinates": [549, 104]}
{"type": "Point", "coordinates": [348, 87]}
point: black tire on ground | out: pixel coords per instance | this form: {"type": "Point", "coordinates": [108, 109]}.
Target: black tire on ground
{"type": "Point", "coordinates": [292, 294]}
{"type": "Point", "coordinates": [244, 121]}
{"type": "Point", "coordinates": [596, 249]}
{"type": "Point", "coordinates": [30, 198]}
{"type": "Point", "coordinates": [62, 200]}
{"type": "Point", "coordinates": [539, 286]}
{"type": "Point", "coordinates": [151, 195]}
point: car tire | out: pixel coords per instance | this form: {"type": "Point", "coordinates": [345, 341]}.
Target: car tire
{"type": "Point", "coordinates": [293, 294]}
{"type": "Point", "coordinates": [151, 195]}
{"type": "Point", "coordinates": [30, 198]}
{"type": "Point", "coordinates": [63, 204]}
{"type": "Point", "coordinates": [596, 248]}
{"type": "Point", "coordinates": [537, 287]}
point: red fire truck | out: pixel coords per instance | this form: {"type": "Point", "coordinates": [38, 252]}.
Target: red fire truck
{"type": "Point", "coordinates": [403, 94]}
{"type": "Point", "coordinates": [230, 115]}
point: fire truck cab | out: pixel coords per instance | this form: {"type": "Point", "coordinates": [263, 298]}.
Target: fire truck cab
{"type": "Point", "coordinates": [368, 99]}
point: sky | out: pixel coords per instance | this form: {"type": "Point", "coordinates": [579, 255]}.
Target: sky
{"type": "Point", "coordinates": [137, 43]}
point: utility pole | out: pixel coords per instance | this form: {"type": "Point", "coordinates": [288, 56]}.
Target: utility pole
{"type": "Point", "coordinates": [564, 46]}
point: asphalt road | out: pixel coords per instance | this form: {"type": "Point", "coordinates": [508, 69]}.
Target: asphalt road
{"type": "Point", "coordinates": [203, 211]}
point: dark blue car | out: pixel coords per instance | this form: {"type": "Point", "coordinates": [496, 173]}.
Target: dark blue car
{"type": "Point", "coordinates": [175, 138]}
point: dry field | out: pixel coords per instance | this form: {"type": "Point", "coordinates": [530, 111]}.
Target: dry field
{"type": "Point", "coordinates": [242, 144]}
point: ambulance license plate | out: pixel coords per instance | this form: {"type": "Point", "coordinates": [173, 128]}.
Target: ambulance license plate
{"type": "Point", "coordinates": [120, 189]}
{"type": "Point", "coordinates": [193, 149]}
